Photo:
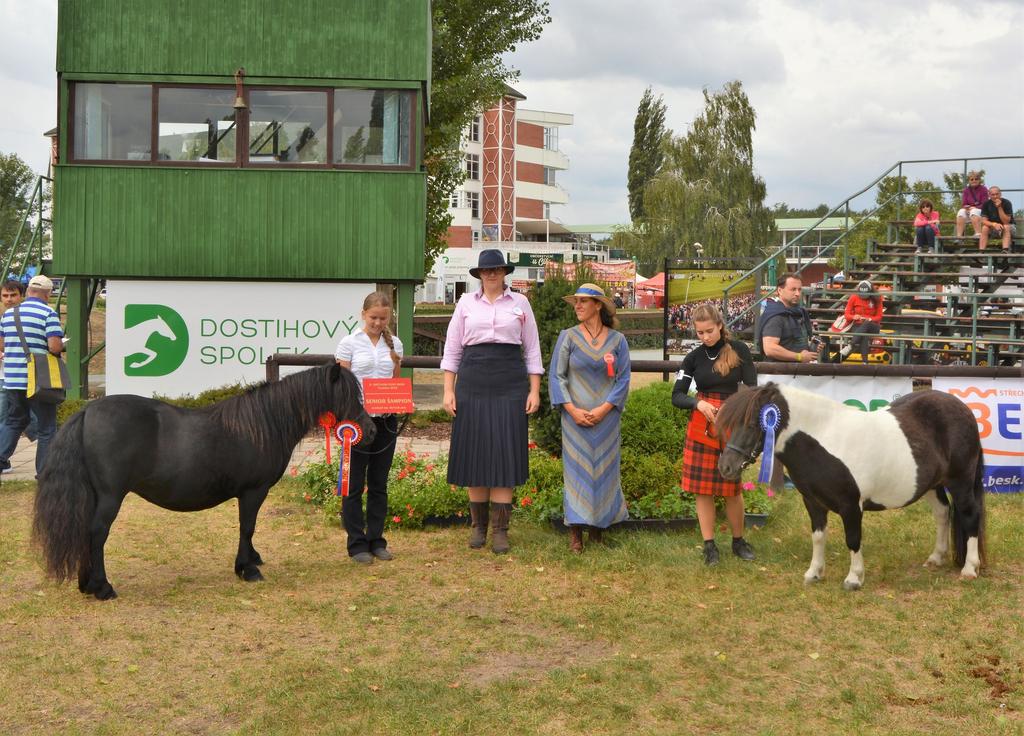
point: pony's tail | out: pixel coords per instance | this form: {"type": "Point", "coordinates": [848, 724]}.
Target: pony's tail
{"type": "Point", "coordinates": [65, 502]}
{"type": "Point", "coordinates": [957, 530]}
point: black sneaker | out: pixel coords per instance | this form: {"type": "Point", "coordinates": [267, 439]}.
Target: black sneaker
{"type": "Point", "coordinates": [742, 549]}
{"type": "Point", "coordinates": [382, 553]}
{"type": "Point", "coordinates": [710, 552]}
{"type": "Point", "coordinates": [363, 558]}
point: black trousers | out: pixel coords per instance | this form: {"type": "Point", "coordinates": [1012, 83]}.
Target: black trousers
{"type": "Point", "coordinates": [863, 332]}
{"type": "Point", "coordinates": [370, 466]}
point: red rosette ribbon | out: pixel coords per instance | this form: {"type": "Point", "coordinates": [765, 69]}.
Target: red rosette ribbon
{"type": "Point", "coordinates": [348, 433]}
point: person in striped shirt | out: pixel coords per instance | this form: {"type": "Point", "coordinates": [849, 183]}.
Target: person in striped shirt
{"type": "Point", "coordinates": [11, 295]}
{"type": "Point", "coordinates": [42, 332]}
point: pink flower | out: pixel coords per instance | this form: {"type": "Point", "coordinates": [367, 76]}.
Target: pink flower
{"type": "Point", "coordinates": [430, 467]}
{"type": "Point", "coordinates": [396, 519]}
{"type": "Point", "coordinates": [294, 471]}
{"type": "Point", "coordinates": [769, 492]}
{"type": "Point", "coordinates": [748, 486]}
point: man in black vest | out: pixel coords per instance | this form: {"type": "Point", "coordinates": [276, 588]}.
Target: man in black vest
{"type": "Point", "coordinates": [784, 333]}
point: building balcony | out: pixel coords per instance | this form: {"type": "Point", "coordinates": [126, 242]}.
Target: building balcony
{"type": "Point", "coordinates": [542, 156]}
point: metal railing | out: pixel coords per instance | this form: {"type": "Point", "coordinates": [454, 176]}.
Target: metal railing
{"type": "Point", "coordinates": [36, 237]}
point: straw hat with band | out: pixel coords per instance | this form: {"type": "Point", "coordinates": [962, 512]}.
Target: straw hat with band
{"type": "Point", "coordinates": [490, 258]}
{"type": "Point", "coordinates": [592, 291]}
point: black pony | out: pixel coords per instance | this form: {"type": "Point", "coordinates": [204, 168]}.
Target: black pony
{"type": "Point", "coordinates": [180, 459]}
{"type": "Point", "coordinates": [848, 461]}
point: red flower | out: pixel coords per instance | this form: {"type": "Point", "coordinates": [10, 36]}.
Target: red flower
{"type": "Point", "coordinates": [531, 445]}
{"type": "Point", "coordinates": [396, 519]}
{"type": "Point", "coordinates": [402, 474]}
{"type": "Point", "coordinates": [408, 507]}
{"type": "Point", "coordinates": [430, 467]}
{"type": "Point", "coordinates": [525, 501]}
{"type": "Point", "coordinates": [307, 497]}
{"type": "Point", "coordinates": [294, 471]}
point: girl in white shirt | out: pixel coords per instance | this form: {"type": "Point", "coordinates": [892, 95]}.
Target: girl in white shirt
{"type": "Point", "coordinates": [372, 352]}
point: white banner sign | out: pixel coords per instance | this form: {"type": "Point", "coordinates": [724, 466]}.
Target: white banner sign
{"type": "Point", "coordinates": [183, 337]}
{"type": "Point", "coordinates": [998, 407]}
{"type": "Point", "coordinates": [863, 392]}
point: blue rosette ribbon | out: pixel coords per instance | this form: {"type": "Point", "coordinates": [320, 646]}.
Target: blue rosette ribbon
{"type": "Point", "coordinates": [769, 419]}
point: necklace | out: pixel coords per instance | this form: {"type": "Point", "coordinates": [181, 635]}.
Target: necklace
{"type": "Point", "coordinates": [593, 338]}
{"type": "Point", "coordinates": [710, 356]}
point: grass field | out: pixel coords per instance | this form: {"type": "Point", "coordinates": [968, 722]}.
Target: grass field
{"type": "Point", "coordinates": [638, 637]}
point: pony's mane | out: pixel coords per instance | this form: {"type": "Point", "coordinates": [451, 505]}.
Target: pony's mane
{"type": "Point", "coordinates": [742, 408]}
{"type": "Point", "coordinates": [274, 416]}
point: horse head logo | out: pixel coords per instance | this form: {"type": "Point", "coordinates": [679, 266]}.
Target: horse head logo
{"type": "Point", "coordinates": [159, 338]}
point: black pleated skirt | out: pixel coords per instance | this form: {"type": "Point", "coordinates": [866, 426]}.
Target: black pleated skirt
{"type": "Point", "coordinates": [489, 434]}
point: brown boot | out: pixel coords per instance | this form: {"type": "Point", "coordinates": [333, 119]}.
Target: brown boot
{"type": "Point", "coordinates": [500, 514]}
{"type": "Point", "coordinates": [576, 539]}
{"type": "Point", "coordinates": [478, 515]}
{"type": "Point", "coordinates": [596, 535]}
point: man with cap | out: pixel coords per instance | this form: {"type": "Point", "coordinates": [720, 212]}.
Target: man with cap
{"type": "Point", "coordinates": [864, 312]}
{"type": "Point", "coordinates": [43, 333]}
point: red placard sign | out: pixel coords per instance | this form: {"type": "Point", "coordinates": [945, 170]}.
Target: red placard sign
{"type": "Point", "coordinates": [387, 395]}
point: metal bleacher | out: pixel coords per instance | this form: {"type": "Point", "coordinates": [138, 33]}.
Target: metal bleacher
{"type": "Point", "coordinates": [957, 305]}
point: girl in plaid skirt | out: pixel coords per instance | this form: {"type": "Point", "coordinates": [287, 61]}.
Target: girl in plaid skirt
{"type": "Point", "coordinates": [717, 366]}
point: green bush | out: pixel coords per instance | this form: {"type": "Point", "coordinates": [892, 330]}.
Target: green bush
{"type": "Point", "coordinates": [206, 398]}
{"type": "Point", "coordinates": [426, 417]}
{"type": "Point", "coordinates": [417, 488]}
{"type": "Point", "coordinates": [650, 424]}
{"type": "Point", "coordinates": [69, 407]}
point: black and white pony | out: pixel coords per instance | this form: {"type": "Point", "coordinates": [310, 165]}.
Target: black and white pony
{"type": "Point", "coordinates": [180, 459]}
{"type": "Point", "coordinates": [848, 461]}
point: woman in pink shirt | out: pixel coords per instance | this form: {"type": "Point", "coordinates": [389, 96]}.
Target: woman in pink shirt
{"type": "Point", "coordinates": [926, 226]}
{"type": "Point", "coordinates": [492, 369]}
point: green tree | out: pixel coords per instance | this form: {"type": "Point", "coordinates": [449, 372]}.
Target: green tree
{"type": "Point", "coordinates": [707, 190]}
{"type": "Point", "coordinates": [16, 182]}
{"type": "Point", "coordinates": [468, 76]}
{"type": "Point", "coordinates": [647, 153]}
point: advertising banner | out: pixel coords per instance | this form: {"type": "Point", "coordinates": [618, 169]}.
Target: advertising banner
{"type": "Point", "coordinates": [998, 407]}
{"type": "Point", "coordinates": [182, 337]}
{"type": "Point", "coordinates": [863, 392]}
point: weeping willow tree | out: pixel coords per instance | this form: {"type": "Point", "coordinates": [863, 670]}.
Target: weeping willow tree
{"type": "Point", "coordinates": [707, 191]}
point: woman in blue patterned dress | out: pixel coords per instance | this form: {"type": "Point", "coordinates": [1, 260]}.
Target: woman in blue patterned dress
{"type": "Point", "coordinates": [589, 380]}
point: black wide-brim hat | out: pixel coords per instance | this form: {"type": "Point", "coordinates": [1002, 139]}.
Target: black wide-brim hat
{"type": "Point", "coordinates": [490, 258]}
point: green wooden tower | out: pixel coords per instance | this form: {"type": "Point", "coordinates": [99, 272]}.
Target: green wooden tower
{"type": "Point", "coordinates": [276, 140]}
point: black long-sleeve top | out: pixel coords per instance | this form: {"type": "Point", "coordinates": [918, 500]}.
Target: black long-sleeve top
{"type": "Point", "coordinates": [699, 366]}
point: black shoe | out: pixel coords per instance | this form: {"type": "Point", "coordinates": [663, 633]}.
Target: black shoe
{"type": "Point", "coordinates": [742, 549]}
{"type": "Point", "coordinates": [382, 553]}
{"type": "Point", "coordinates": [363, 558]}
{"type": "Point", "coordinates": [710, 552]}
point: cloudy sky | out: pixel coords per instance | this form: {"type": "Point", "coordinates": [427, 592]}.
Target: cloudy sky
{"type": "Point", "coordinates": [842, 89]}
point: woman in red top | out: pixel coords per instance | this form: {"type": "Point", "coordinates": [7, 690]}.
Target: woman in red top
{"type": "Point", "coordinates": [864, 310]}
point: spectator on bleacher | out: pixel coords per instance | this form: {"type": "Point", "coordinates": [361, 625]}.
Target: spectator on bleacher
{"type": "Point", "coordinates": [974, 196]}
{"type": "Point", "coordinates": [784, 332]}
{"type": "Point", "coordinates": [864, 310]}
{"type": "Point", "coordinates": [996, 218]}
{"type": "Point", "coordinates": [926, 226]}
